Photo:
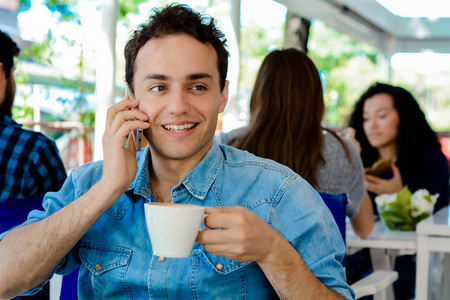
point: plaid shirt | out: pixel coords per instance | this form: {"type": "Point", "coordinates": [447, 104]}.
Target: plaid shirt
{"type": "Point", "coordinates": [29, 162]}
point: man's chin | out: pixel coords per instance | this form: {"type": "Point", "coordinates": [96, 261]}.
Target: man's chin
{"type": "Point", "coordinates": [180, 152]}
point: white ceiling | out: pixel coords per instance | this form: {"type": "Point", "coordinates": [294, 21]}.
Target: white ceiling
{"type": "Point", "coordinates": [369, 21]}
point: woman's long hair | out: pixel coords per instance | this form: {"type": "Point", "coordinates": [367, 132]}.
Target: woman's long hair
{"type": "Point", "coordinates": [414, 132]}
{"type": "Point", "coordinates": [286, 111]}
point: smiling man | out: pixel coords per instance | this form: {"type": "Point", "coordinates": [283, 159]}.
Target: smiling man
{"type": "Point", "coordinates": [276, 237]}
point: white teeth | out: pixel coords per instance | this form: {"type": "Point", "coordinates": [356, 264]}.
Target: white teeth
{"type": "Point", "coordinates": [179, 128]}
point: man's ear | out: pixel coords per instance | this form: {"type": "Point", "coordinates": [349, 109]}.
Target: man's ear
{"type": "Point", "coordinates": [3, 75]}
{"type": "Point", "coordinates": [2, 83]}
{"type": "Point", "coordinates": [223, 97]}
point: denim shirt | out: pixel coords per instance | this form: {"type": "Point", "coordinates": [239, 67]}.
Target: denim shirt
{"type": "Point", "coordinates": [116, 258]}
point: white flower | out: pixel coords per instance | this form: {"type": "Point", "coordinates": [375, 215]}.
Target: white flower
{"type": "Point", "coordinates": [422, 202]}
{"type": "Point", "coordinates": [385, 199]}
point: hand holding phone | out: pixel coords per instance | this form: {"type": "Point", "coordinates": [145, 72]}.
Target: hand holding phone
{"type": "Point", "coordinates": [136, 133]}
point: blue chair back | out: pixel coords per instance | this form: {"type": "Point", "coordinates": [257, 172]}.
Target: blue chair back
{"type": "Point", "coordinates": [15, 211]}
{"type": "Point", "coordinates": [69, 286]}
{"type": "Point", "coordinates": [337, 204]}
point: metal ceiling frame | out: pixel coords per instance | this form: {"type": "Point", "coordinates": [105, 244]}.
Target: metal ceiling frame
{"type": "Point", "coordinates": [368, 21]}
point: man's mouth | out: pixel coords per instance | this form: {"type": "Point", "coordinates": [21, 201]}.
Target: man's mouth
{"type": "Point", "coordinates": [180, 128]}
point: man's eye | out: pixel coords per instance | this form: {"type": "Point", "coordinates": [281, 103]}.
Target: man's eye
{"type": "Point", "coordinates": [199, 88]}
{"type": "Point", "coordinates": [158, 88]}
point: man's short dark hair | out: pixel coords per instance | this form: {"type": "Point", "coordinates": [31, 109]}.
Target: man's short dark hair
{"type": "Point", "coordinates": [8, 50]}
{"type": "Point", "coordinates": [177, 19]}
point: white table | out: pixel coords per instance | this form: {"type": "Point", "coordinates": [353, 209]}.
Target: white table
{"type": "Point", "coordinates": [382, 238]}
{"type": "Point", "coordinates": [384, 245]}
{"type": "Point", "coordinates": [433, 235]}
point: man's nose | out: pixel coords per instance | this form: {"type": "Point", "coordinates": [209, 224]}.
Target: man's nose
{"type": "Point", "coordinates": [178, 102]}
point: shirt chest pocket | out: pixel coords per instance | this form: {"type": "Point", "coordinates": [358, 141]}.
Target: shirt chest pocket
{"type": "Point", "coordinates": [244, 279]}
{"type": "Point", "coordinates": [221, 265]}
{"type": "Point", "coordinates": [107, 266]}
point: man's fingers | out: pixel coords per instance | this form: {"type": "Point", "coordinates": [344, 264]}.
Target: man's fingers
{"type": "Point", "coordinates": [223, 209]}
{"type": "Point", "coordinates": [225, 217]}
{"type": "Point", "coordinates": [131, 144]}
{"type": "Point", "coordinates": [123, 105]}
{"type": "Point", "coordinates": [218, 220]}
{"type": "Point", "coordinates": [123, 117]}
{"type": "Point", "coordinates": [120, 130]}
{"type": "Point", "coordinates": [210, 236]}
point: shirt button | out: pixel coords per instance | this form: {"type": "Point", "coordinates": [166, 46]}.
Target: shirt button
{"type": "Point", "coordinates": [161, 258]}
{"type": "Point", "coordinates": [219, 266]}
{"type": "Point", "coordinates": [98, 267]}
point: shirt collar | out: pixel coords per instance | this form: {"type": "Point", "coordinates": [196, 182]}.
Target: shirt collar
{"type": "Point", "coordinates": [7, 119]}
{"type": "Point", "coordinates": [197, 182]}
{"type": "Point", "coordinates": [141, 183]}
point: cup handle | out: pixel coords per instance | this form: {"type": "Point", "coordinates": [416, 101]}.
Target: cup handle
{"type": "Point", "coordinates": [203, 223]}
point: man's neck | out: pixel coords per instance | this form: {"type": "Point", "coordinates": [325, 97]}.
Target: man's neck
{"type": "Point", "coordinates": [165, 174]}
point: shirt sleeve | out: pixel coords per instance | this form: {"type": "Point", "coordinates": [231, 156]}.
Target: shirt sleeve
{"type": "Point", "coordinates": [357, 187]}
{"type": "Point", "coordinates": [341, 173]}
{"type": "Point", "coordinates": [47, 167]}
{"type": "Point", "coordinates": [303, 219]}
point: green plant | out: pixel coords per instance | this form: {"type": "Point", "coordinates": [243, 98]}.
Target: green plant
{"type": "Point", "coordinates": [403, 210]}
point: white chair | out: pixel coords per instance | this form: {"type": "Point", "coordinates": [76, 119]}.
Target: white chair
{"type": "Point", "coordinates": [64, 287]}
{"type": "Point", "coordinates": [376, 283]}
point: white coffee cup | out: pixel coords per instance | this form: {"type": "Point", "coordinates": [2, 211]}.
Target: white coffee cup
{"type": "Point", "coordinates": [173, 227]}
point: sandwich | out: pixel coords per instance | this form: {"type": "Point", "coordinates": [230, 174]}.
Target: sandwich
{"type": "Point", "coordinates": [379, 168]}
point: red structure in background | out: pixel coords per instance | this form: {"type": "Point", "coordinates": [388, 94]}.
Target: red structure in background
{"type": "Point", "coordinates": [445, 145]}
{"type": "Point", "coordinates": [78, 149]}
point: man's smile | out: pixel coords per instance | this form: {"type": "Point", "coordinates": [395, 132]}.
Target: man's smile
{"type": "Point", "coordinates": [180, 128]}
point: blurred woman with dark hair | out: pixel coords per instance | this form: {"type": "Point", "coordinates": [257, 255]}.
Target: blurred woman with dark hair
{"type": "Point", "coordinates": [286, 112]}
{"type": "Point", "coordinates": [390, 125]}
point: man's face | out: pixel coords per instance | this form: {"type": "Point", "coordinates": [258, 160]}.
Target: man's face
{"type": "Point", "coordinates": [176, 81]}
{"type": "Point", "coordinates": [7, 91]}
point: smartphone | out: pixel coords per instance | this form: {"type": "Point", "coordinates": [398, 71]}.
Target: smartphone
{"type": "Point", "coordinates": [136, 134]}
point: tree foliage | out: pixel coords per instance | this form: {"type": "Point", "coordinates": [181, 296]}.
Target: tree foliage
{"type": "Point", "coordinates": [349, 67]}
{"type": "Point", "coordinates": [256, 43]}
{"type": "Point", "coordinates": [128, 6]}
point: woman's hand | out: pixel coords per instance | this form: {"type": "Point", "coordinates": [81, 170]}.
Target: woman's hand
{"type": "Point", "coordinates": [381, 186]}
{"type": "Point", "coordinates": [349, 134]}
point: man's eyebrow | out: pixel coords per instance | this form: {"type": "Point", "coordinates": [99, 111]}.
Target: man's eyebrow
{"type": "Point", "coordinates": [155, 76]}
{"type": "Point", "coordinates": [196, 76]}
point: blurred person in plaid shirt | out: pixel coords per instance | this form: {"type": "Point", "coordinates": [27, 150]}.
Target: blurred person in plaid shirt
{"type": "Point", "coordinates": [29, 161]}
